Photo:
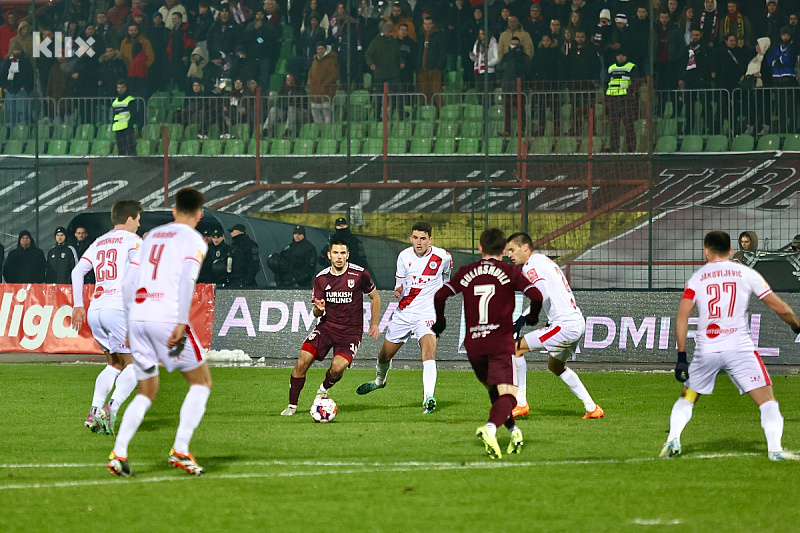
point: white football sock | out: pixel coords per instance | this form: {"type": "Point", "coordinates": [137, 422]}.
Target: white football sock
{"type": "Point", "coordinates": [511, 429]}
{"type": "Point", "coordinates": [522, 378]}
{"type": "Point", "coordinates": [126, 382]}
{"type": "Point", "coordinates": [103, 385]}
{"type": "Point", "coordinates": [192, 410]}
{"type": "Point", "coordinates": [131, 421]}
{"type": "Point", "coordinates": [681, 414]}
{"type": "Point", "coordinates": [381, 370]}
{"type": "Point", "coordinates": [772, 422]}
{"type": "Point", "coordinates": [576, 386]}
{"type": "Point", "coordinates": [428, 378]}
{"type": "Point", "coordinates": [491, 429]}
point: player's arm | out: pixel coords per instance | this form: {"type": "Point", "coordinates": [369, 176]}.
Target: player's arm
{"type": "Point", "coordinates": [78, 308]}
{"type": "Point", "coordinates": [681, 332]}
{"type": "Point", "coordinates": [190, 270]}
{"type": "Point", "coordinates": [399, 277]}
{"type": "Point", "coordinates": [787, 314]}
{"type": "Point", "coordinates": [318, 299]}
{"type": "Point", "coordinates": [448, 268]}
{"type": "Point", "coordinates": [375, 310]}
{"type": "Point", "coordinates": [439, 300]}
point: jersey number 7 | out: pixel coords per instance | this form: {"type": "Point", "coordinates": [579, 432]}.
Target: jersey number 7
{"type": "Point", "coordinates": [712, 290]}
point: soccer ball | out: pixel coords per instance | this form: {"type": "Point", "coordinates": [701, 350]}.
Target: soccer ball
{"type": "Point", "coordinates": [323, 410]}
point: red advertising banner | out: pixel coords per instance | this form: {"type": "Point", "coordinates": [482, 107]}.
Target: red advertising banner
{"type": "Point", "coordinates": [38, 318]}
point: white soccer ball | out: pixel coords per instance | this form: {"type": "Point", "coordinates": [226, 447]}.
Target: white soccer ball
{"type": "Point", "coordinates": [323, 410]}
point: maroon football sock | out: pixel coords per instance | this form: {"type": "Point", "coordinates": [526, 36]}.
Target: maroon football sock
{"type": "Point", "coordinates": [501, 409]}
{"type": "Point", "coordinates": [510, 423]}
{"type": "Point", "coordinates": [493, 394]}
{"type": "Point", "coordinates": [295, 386]}
{"type": "Point", "coordinates": [330, 381]}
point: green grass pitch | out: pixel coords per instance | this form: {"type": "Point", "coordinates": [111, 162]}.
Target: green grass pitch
{"type": "Point", "coordinates": [383, 466]}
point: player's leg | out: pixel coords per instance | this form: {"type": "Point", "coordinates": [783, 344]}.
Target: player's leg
{"type": "Point", "coordinates": [192, 411]}
{"type": "Point", "coordinates": [427, 345]}
{"type": "Point", "coordinates": [132, 419]}
{"type": "Point", "coordinates": [126, 382]}
{"type": "Point", "coordinates": [298, 380]}
{"type": "Point", "coordinates": [487, 433]}
{"type": "Point", "coordinates": [388, 351]}
{"type": "Point", "coordinates": [571, 379]}
{"type": "Point", "coordinates": [114, 322]}
{"type": "Point", "coordinates": [339, 364]}
{"type": "Point", "coordinates": [522, 408]}
{"type": "Point", "coordinates": [105, 380]}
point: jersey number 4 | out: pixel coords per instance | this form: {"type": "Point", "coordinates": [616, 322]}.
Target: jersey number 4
{"type": "Point", "coordinates": [155, 257]}
{"type": "Point", "coordinates": [106, 265]}
{"type": "Point", "coordinates": [485, 292]}
{"type": "Point", "coordinates": [713, 290]}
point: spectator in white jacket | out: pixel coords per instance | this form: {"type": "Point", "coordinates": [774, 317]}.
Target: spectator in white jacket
{"type": "Point", "coordinates": [484, 58]}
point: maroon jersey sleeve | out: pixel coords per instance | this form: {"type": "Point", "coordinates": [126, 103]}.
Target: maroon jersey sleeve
{"type": "Point", "coordinates": [367, 286]}
{"type": "Point", "coordinates": [318, 292]}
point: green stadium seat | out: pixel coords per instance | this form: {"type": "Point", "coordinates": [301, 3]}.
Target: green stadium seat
{"type": "Point", "coordinates": [445, 146]}
{"type": "Point", "coordinates": [30, 147]}
{"type": "Point", "coordinates": [421, 145]}
{"type": "Point", "coordinates": [401, 130]}
{"type": "Point", "coordinates": [309, 131]}
{"type": "Point", "coordinates": [151, 132]}
{"type": "Point", "coordinates": [190, 147]}
{"type": "Point", "coordinates": [287, 33]}
{"type": "Point", "coordinates": [373, 146]}
{"type": "Point", "coordinates": [497, 113]}
{"type": "Point", "coordinates": [303, 147]}
{"type": "Point", "coordinates": [450, 112]}
{"type": "Point", "coordinates": [375, 129]}
{"type": "Point", "coordinates": [717, 143]}
{"type": "Point", "coordinates": [792, 143]}
{"type": "Point", "coordinates": [85, 132]}
{"type": "Point", "coordinates": [447, 129]}
{"type": "Point", "coordinates": [769, 143]}
{"type": "Point", "coordinates": [424, 130]}
{"type": "Point", "coordinates": [667, 144]}
{"type": "Point", "coordinates": [172, 149]}
{"type": "Point", "coordinates": [286, 51]}
{"type": "Point", "coordinates": [191, 132]}
{"type": "Point", "coordinates": [57, 147]}
{"type": "Point", "coordinates": [331, 131]}
{"type": "Point", "coordinates": [692, 143]}
{"type": "Point", "coordinates": [327, 146]}
{"type": "Point", "coordinates": [355, 147]}
{"type": "Point", "coordinates": [538, 145]}
{"type": "Point", "coordinates": [358, 130]}
{"type": "Point", "coordinates": [175, 132]}
{"type": "Point", "coordinates": [426, 113]}
{"type": "Point", "coordinates": [513, 146]}
{"type": "Point", "coordinates": [473, 112]}
{"type": "Point", "coordinates": [396, 146]}
{"type": "Point", "coordinates": [104, 133]}
{"type": "Point", "coordinates": [281, 147]}
{"type": "Point", "coordinates": [667, 127]}
{"type": "Point", "coordinates": [213, 131]}
{"type": "Point", "coordinates": [101, 148]}
{"type": "Point", "coordinates": [251, 147]}
{"type": "Point", "coordinates": [13, 147]}
{"type": "Point", "coordinates": [212, 147]}
{"type": "Point", "coordinates": [495, 146]}
{"type": "Point", "coordinates": [5, 131]}
{"type": "Point", "coordinates": [144, 147]}
{"type": "Point", "coordinates": [472, 129]}
{"type": "Point", "coordinates": [468, 146]}
{"type": "Point", "coordinates": [566, 145]}
{"type": "Point", "coordinates": [743, 143]}
{"type": "Point", "coordinates": [19, 132]}
{"type": "Point", "coordinates": [597, 145]}
{"type": "Point", "coordinates": [235, 147]}
{"type": "Point", "coordinates": [79, 148]}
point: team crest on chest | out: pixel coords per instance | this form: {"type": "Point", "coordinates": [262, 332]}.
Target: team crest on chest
{"type": "Point", "coordinates": [351, 283]}
{"type": "Point", "coordinates": [432, 265]}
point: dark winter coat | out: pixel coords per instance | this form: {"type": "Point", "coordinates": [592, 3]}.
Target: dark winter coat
{"type": "Point", "coordinates": [294, 265]}
{"type": "Point", "coordinates": [22, 80]}
{"type": "Point", "coordinates": [357, 254]}
{"type": "Point", "coordinates": [61, 260]}
{"type": "Point", "coordinates": [25, 265]}
{"type": "Point", "coordinates": [245, 264]}
{"type": "Point", "coordinates": [215, 265]}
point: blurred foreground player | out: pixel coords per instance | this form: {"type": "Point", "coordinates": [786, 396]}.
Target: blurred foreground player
{"type": "Point", "coordinates": [488, 288]}
{"type": "Point", "coordinates": [158, 294]}
{"type": "Point", "coordinates": [564, 329]}
{"type": "Point", "coordinates": [721, 291]}
{"type": "Point", "coordinates": [338, 298]}
{"type": "Point", "coordinates": [109, 257]}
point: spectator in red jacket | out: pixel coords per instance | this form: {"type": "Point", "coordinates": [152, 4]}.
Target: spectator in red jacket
{"type": "Point", "coordinates": [137, 73]}
{"type": "Point", "coordinates": [7, 32]}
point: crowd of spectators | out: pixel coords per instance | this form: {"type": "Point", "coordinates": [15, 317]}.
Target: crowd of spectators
{"type": "Point", "coordinates": [230, 48]}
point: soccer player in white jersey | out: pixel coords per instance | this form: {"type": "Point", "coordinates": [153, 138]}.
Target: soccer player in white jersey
{"type": "Point", "coordinates": [109, 257]}
{"type": "Point", "coordinates": [158, 294]}
{"type": "Point", "coordinates": [565, 324]}
{"type": "Point", "coordinates": [422, 269]}
{"type": "Point", "coordinates": [721, 292]}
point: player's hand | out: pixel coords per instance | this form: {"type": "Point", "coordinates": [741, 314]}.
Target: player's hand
{"type": "Point", "coordinates": [320, 304]}
{"type": "Point", "coordinates": [78, 318]}
{"type": "Point", "coordinates": [177, 339]}
{"type": "Point", "coordinates": [439, 326]}
{"type": "Point", "coordinates": [682, 368]}
{"type": "Point", "coordinates": [398, 292]}
{"type": "Point", "coordinates": [518, 325]}
{"type": "Point", "coordinates": [374, 331]}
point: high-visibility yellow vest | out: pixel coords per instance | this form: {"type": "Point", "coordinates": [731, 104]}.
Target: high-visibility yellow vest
{"type": "Point", "coordinates": [122, 113]}
{"type": "Point", "coordinates": [619, 79]}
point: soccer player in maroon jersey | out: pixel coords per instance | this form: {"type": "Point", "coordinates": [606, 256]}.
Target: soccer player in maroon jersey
{"type": "Point", "coordinates": [338, 298]}
{"type": "Point", "coordinates": [488, 288]}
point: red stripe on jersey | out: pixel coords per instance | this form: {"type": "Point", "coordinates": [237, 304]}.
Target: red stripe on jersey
{"type": "Point", "coordinates": [405, 301]}
{"type": "Point", "coordinates": [433, 266]}
{"type": "Point", "coordinates": [346, 356]}
{"type": "Point", "coordinates": [688, 294]}
{"type": "Point", "coordinates": [550, 333]}
{"type": "Point", "coordinates": [90, 261]}
{"type": "Point", "coordinates": [195, 259]}
{"type": "Point", "coordinates": [308, 347]}
{"type": "Point", "coordinates": [198, 353]}
{"type": "Point", "coordinates": [766, 292]}
{"type": "Point", "coordinates": [763, 369]}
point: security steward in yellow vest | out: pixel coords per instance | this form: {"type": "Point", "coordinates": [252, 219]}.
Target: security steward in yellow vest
{"type": "Point", "coordinates": [621, 101]}
{"type": "Point", "coordinates": [122, 124]}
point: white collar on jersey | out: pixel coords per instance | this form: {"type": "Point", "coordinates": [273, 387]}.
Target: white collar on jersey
{"type": "Point", "coordinates": [346, 264]}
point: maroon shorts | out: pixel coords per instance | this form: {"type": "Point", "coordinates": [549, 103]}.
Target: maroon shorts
{"type": "Point", "coordinates": [343, 339]}
{"type": "Point", "coordinates": [494, 369]}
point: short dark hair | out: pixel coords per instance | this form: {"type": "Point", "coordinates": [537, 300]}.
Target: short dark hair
{"type": "Point", "coordinates": [493, 241]}
{"type": "Point", "coordinates": [338, 240]}
{"type": "Point", "coordinates": [123, 209]}
{"type": "Point", "coordinates": [122, 82]}
{"type": "Point", "coordinates": [422, 226]}
{"type": "Point", "coordinates": [188, 201]}
{"type": "Point", "coordinates": [521, 238]}
{"type": "Point", "coordinates": [717, 242]}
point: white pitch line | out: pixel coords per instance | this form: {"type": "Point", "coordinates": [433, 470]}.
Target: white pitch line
{"type": "Point", "coordinates": [363, 468]}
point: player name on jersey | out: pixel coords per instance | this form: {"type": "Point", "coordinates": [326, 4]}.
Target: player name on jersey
{"type": "Point", "coordinates": [484, 269]}
{"type": "Point", "coordinates": [727, 273]}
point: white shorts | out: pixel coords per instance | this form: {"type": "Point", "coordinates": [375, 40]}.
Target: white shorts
{"type": "Point", "coordinates": [559, 340]}
{"type": "Point", "coordinates": [108, 328]}
{"type": "Point", "coordinates": [403, 326]}
{"type": "Point", "coordinates": [746, 370]}
{"type": "Point", "coordinates": [149, 347]}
